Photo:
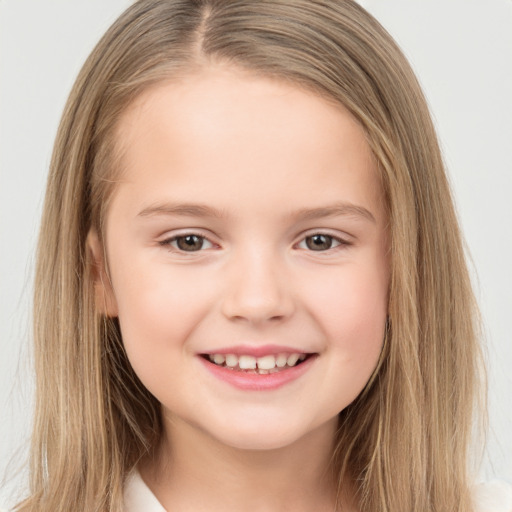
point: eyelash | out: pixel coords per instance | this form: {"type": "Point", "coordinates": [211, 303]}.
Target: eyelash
{"type": "Point", "coordinates": [341, 243]}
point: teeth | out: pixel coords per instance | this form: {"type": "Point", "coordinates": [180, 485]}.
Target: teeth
{"type": "Point", "coordinates": [218, 358]}
{"type": "Point", "coordinates": [247, 362]}
{"type": "Point", "coordinates": [262, 365]}
{"type": "Point", "coordinates": [281, 360]}
{"type": "Point", "coordinates": [231, 360]}
{"type": "Point", "coordinates": [266, 362]}
{"type": "Point", "coordinates": [292, 359]}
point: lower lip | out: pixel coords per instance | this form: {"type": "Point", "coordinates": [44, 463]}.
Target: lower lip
{"type": "Point", "coordinates": [256, 382]}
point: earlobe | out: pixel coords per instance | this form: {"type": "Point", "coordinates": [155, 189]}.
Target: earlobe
{"type": "Point", "coordinates": [104, 294]}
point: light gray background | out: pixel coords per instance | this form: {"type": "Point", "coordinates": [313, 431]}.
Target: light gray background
{"type": "Point", "coordinates": [462, 52]}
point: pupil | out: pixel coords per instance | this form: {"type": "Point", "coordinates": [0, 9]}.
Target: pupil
{"type": "Point", "coordinates": [190, 243]}
{"type": "Point", "coordinates": [319, 242]}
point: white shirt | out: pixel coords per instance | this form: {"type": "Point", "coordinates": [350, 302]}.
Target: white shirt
{"type": "Point", "coordinates": [138, 497]}
{"type": "Point", "coordinates": [494, 496]}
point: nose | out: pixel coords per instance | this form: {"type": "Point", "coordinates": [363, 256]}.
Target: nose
{"type": "Point", "coordinates": [258, 290]}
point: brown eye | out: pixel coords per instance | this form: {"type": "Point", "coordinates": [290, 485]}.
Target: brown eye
{"type": "Point", "coordinates": [187, 243]}
{"type": "Point", "coordinates": [319, 242]}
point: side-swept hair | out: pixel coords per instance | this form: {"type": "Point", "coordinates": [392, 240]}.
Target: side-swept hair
{"type": "Point", "coordinates": [404, 441]}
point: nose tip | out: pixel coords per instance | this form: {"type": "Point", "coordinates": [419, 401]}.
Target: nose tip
{"type": "Point", "coordinates": [258, 295]}
{"type": "Point", "coordinates": [256, 312]}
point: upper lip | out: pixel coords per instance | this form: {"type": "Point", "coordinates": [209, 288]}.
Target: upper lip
{"type": "Point", "coordinates": [256, 351]}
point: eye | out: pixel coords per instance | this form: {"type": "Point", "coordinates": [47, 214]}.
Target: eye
{"type": "Point", "coordinates": [187, 243]}
{"type": "Point", "coordinates": [321, 242]}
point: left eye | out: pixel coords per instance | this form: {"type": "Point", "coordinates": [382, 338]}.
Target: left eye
{"type": "Point", "coordinates": [320, 242]}
{"type": "Point", "coordinates": [188, 243]}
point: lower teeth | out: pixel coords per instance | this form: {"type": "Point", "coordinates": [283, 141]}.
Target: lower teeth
{"type": "Point", "coordinates": [256, 371]}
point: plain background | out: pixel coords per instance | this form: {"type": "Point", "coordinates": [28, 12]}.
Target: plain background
{"type": "Point", "coordinates": [462, 53]}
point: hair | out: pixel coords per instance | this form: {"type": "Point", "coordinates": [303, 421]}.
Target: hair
{"type": "Point", "coordinates": [404, 442]}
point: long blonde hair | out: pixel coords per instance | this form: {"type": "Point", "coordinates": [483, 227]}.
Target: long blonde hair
{"type": "Point", "coordinates": [404, 441]}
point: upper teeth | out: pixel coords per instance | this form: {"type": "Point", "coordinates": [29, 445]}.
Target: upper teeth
{"type": "Point", "coordinates": [245, 362]}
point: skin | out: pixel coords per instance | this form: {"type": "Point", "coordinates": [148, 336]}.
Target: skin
{"type": "Point", "coordinates": [258, 151]}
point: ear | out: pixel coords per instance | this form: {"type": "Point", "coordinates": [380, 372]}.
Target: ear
{"type": "Point", "coordinates": [104, 294]}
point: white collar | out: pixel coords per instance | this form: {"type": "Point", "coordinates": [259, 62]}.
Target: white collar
{"type": "Point", "coordinates": [494, 496]}
{"type": "Point", "coordinates": [138, 497]}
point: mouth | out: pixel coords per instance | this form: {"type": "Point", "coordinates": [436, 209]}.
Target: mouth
{"type": "Point", "coordinates": [264, 365]}
{"type": "Point", "coordinates": [262, 368]}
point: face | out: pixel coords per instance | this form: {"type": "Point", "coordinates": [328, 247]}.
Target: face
{"type": "Point", "coordinates": [247, 253]}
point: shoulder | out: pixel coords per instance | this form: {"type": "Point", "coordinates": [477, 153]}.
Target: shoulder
{"type": "Point", "coordinates": [493, 496]}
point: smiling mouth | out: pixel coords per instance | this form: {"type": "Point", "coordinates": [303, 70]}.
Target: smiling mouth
{"type": "Point", "coordinates": [257, 365]}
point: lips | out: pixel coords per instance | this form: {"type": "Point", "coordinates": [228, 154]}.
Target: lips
{"type": "Point", "coordinates": [257, 368]}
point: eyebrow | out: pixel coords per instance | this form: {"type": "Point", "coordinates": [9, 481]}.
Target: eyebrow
{"type": "Point", "coordinates": [303, 214]}
{"type": "Point", "coordinates": [182, 209]}
{"type": "Point", "coordinates": [337, 209]}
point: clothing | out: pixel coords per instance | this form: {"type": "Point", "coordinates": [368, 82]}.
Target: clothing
{"type": "Point", "coordinates": [495, 496]}
{"type": "Point", "coordinates": [138, 497]}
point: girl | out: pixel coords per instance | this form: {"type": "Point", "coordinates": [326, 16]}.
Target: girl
{"type": "Point", "coordinates": [251, 291]}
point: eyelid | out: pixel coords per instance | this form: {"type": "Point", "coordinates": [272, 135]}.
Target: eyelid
{"type": "Point", "coordinates": [168, 240]}
{"type": "Point", "coordinates": [343, 241]}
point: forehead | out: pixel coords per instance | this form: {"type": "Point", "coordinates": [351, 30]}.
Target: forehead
{"type": "Point", "coordinates": [242, 131]}
{"type": "Point", "coordinates": [218, 96]}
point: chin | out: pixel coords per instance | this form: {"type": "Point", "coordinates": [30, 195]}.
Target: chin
{"type": "Point", "coordinates": [260, 435]}
{"type": "Point", "coordinates": [258, 442]}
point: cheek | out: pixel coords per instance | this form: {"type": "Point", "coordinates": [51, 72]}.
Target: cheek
{"type": "Point", "coordinates": [352, 310]}
{"type": "Point", "coordinates": [158, 308]}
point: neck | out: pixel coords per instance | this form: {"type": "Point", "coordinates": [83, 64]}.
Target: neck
{"type": "Point", "coordinates": [195, 472]}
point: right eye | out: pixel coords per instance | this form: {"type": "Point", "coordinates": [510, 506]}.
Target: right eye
{"type": "Point", "coordinates": [189, 242]}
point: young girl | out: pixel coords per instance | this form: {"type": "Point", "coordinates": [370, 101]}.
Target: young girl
{"type": "Point", "coordinates": [251, 292]}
